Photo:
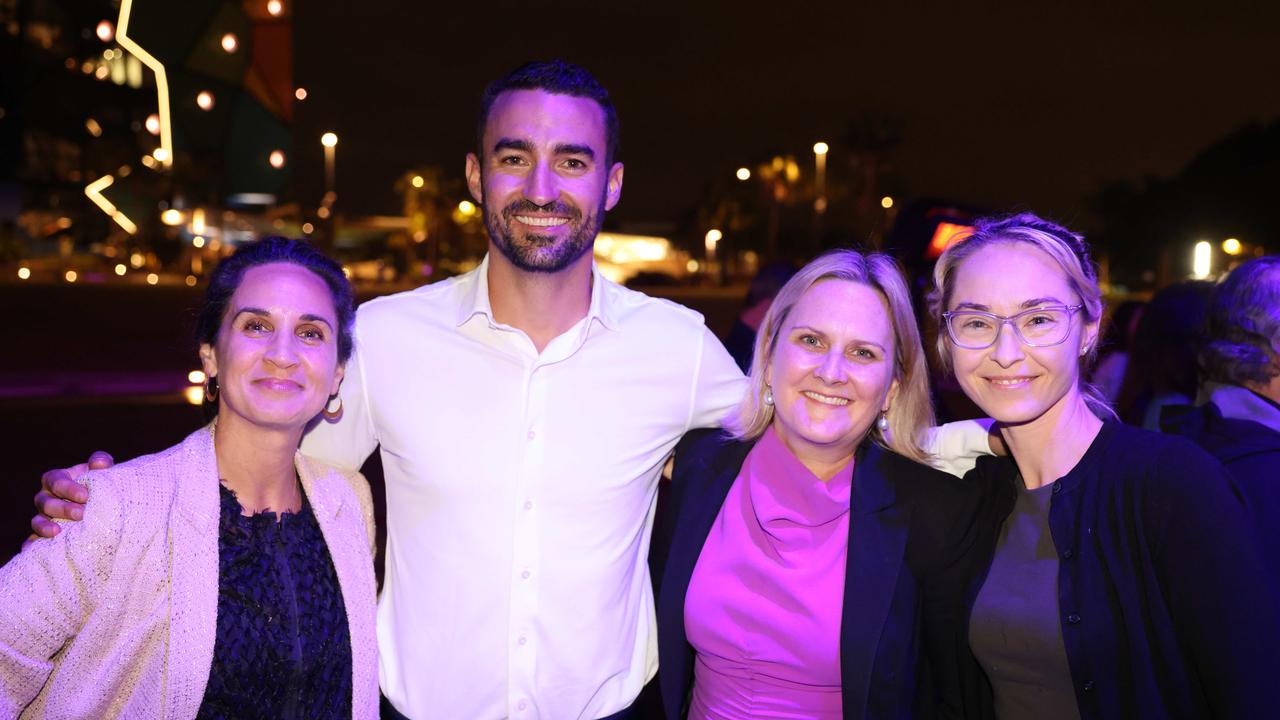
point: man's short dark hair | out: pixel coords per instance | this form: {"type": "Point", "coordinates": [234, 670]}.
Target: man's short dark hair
{"type": "Point", "coordinates": [556, 77]}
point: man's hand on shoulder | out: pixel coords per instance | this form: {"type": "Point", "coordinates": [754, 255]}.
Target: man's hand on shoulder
{"type": "Point", "coordinates": [61, 497]}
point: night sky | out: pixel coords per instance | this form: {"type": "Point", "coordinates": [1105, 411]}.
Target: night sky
{"type": "Point", "coordinates": [1014, 104]}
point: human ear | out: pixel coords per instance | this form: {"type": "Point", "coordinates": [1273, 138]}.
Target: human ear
{"type": "Point", "coordinates": [208, 360]}
{"type": "Point", "coordinates": [613, 190]}
{"type": "Point", "coordinates": [474, 184]}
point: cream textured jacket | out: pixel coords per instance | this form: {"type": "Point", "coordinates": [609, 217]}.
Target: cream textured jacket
{"type": "Point", "coordinates": [116, 616]}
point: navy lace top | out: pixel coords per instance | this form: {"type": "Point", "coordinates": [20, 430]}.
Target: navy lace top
{"type": "Point", "coordinates": [283, 649]}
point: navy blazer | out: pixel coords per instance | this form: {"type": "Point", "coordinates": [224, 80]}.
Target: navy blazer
{"type": "Point", "coordinates": [912, 541]}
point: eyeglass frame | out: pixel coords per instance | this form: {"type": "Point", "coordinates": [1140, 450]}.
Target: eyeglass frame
{"type": "Point", "coordinates": [1003, 320]}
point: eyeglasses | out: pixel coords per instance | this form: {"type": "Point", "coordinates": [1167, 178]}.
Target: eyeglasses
{"type": "Point", "coordinates": [1037, 327]}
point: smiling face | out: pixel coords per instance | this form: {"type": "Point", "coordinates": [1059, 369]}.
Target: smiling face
{"type": "Point", "coordinates": [1010, 381]}
{"type": "Point", "coordinates": [276, 358]}
{"type": "Point", "coordinates": [832, 370]}
{"type": "Point", "coordinates": [544, 179]}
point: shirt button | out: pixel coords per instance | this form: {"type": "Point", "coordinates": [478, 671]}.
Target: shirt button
{"type": "Point", "coordinates": [524, 575]}
{"type": "Point", "coordinates": [1068, 554]}
{"type": "Point", "coordinates": [1057, 487]}
{"type": "Point", "coordinates": [1088, 686]}
{"type": "Point", "coordinates": [521, 705]}
{"type": "Point", "coordinates": [1073, 618]}
{"type": "Point", "coordinates": [531, 435]}
{"type": "Point", "coordinates": [528, 504]}
{"type": "Point", "coordinates": [522, 641]}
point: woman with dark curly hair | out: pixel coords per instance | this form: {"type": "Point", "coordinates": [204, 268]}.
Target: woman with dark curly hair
{"type": "Point", "coordinates": [228, 576]}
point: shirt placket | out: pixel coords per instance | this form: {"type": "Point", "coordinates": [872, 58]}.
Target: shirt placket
{"type": "Point", "coordinates": [525, 575]}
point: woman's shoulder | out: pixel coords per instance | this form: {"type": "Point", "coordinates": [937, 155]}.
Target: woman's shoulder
{"type": "Point", "coordinates": [1140, 453]}
{"type": "Point", "coordinates": [146, 480]}
{"type": "Point", "coordinates": [915, 480]}
{"type": "Point", "coordinates": [350, 484]}
{"type": "Point", "coordinates": [702, 442]}
{"type": "Point", "coordinates": [700, 449]}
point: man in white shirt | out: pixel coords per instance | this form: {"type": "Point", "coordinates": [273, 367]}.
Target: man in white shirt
{"type": "Point", "coordinates": [524, 412]}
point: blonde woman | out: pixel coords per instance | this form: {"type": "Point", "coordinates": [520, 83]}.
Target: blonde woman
{"type": "Point", "coordinates": [1119, 577]}
{"type": "Point", "coordinates": [809, 565]}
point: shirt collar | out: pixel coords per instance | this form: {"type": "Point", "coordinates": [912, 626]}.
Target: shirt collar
{"type": "Point", "coordinates": [474, 296]}
{"type": "Point", "coordinates": [1238, 403]}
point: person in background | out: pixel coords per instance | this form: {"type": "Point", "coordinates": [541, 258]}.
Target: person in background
{"type": "Point", "coordinates": [229, 576]}
{"type": "Point", "coordinates": [810, 564]}
{"type": "Point", "coordinates": [1162, 368]}
{"type": "Point", "coordinates": [1119, 575]}
{"type": "Point", "coordinates": [764, 286]}
{"type": "Point", "coordinates": [1113, 351]}
{"type": "Point", "coordinates": [1236, 416]}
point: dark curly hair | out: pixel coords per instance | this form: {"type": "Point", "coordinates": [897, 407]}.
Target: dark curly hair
{"type": "Point", "coordinates": [556, 77]}
{"type": "Point", "coordinates": [1242, 326]}
{"type": "Point", "coordinates": [227, 275]}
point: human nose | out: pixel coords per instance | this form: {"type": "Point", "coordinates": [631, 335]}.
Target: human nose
{"type": "Point", "coordinates": [540, 184]}
{"type": "Point", "coordinates": [281, 351]}
{"type": "Point", "coordinates": [1007, 349]}
{"type": "Point", "coordinates": [830, 368]}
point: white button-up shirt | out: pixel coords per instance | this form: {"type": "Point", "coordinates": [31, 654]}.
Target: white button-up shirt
{"type": "Point", "coordinates": [520, 492]}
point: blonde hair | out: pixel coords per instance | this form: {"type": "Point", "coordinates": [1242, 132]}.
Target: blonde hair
{"type": "Point", "coordinates": [911, 411]}
{"type": "Point", "coordinates": [1066, 248]}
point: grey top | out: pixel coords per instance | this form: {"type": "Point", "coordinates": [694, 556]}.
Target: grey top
{"type": "Point", "coordinates": [1014, 628]}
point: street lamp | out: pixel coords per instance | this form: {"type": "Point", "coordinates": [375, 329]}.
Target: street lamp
{"type": "Point", "coordinates": [713, 237]}
{"type": "Point", "coordinates": [330, 142]}
{"type": "Point", "coordinates": [820, 182]}
{"type": "Point", "coordinates": [1201, 260]}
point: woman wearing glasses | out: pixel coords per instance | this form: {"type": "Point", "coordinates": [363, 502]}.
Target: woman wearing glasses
{"type": "Point", "coordinates": [1122, 578]}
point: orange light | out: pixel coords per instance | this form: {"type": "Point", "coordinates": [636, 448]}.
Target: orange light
{"type": "Point", "coordinates": [300, 93]}
{"type": "Point", "coordinates": [153, 124]}
{"type": "Point", "coordinates": [275, 7]}
{"type": "Point", "coordinates": [106, 31]}
{"type": "Point", "coordinates": [230, 43]}
{"type": "Point", "coordinates": [205, 100]}
{"type": "Point", "coordinates": [946, 235]}
{"type": "Point", "coordinates": [276, 159]}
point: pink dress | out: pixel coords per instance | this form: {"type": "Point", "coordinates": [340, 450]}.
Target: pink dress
{"type": "Point", "coordinates": [764, 605]}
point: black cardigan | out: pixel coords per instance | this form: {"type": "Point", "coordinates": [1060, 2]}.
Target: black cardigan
{"type": "Point", "coordinates": [912, 542]}
{"type": "Point", "coordinates": [1164, 600]}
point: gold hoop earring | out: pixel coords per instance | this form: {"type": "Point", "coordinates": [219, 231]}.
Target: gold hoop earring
{"type": "Point", "coordinates": [333, 416]}
{"type": "Point", "coordinates": [211, 389]}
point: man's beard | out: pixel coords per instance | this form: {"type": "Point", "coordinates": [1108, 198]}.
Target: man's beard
{"type": "Point", "coordinates": [543, 253]}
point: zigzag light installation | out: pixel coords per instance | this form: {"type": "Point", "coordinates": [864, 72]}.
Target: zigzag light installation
{"type": "Point", "coordinates": [94, 191]}
{"type": "Point", "coordinates": [162, 81]}
{"type": "Point", "coordinates": [164, 155]}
